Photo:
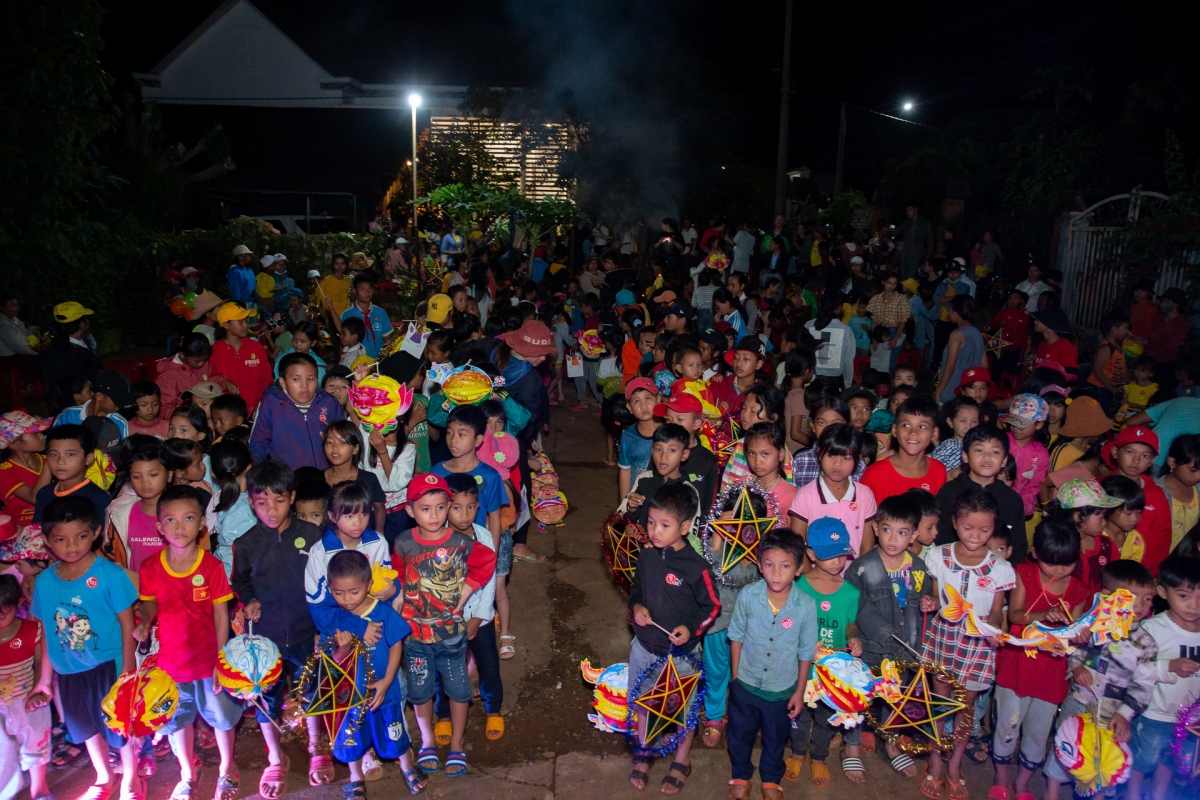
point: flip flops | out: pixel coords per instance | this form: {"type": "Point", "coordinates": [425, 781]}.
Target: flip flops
{"type": "Point", "coordinates": [275, 775]}
{"type": "Point", "coordinates": [320, 770]}
{"type": "Point", "coordinates": [495, 727]}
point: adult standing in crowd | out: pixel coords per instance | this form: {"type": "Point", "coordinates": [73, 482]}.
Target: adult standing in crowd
{"type": "Point", "coordinates": [1169, 336]}
{"type": "Point", "coordinates": [918, 242]}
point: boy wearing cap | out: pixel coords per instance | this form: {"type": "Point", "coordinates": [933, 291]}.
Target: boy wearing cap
{"type": "Point", "coordinates": [636, 440]}
{"type": "Point", "coordinates": [667, 454]}
{"type": "Point", "coordinates": [1131, 454]}
{"type": "Point", "coordinates": [1026, 416]}
{"type": "Point", "coordinates": [1054, 326]}
{"type": "Point", "coordinates": [700, 466]}
{"type": "Point", "coordinates": [21, 435]}
{"type": "Point", "coordinates": [241, 276]}
{"type": "Point", "coordinates": [242, 360]}
{"type": "Point", "coordinates": [729, 391]}
{"type": "Point", "coordinates": [110, 394]}
{"type": "Point", "coordinates": [976, 383]}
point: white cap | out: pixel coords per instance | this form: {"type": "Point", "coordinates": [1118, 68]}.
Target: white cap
{"type": "Point", "coordinates": [401, 240]}
{"type": "Point", "coordinates": [267, 260]}
{"type": "Point", "coordinates": [280, 257]}
{"type": "Point", "coordinates": [856, 260]}
{"type": "Point", "coordinates": [312, 273]}
{"type": "Point", "coordinates": [241, 250]}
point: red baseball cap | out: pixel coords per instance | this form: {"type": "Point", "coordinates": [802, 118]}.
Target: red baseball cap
{"type": "Point", "coordinates": [640, 383]}
{"type": "Point", "coordinates": [974, 375]}
{"type": "Point", "coordinates": [421, 485]}
{"type": "Point", "coordinates": [680, 402]}
{"type": "Point", "coordinates": [1137, 435]}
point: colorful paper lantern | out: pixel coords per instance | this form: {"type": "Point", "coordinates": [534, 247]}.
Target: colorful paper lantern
{"type": "Point", "coordinates": [550, 511]}
{"type": "Point", "coordinates": [1090, 754]}
{"type": "Point", "coordinates": [248, 666]}
{"type": "Point", "coordinates": [591, 344]}
{"type": "Point", "coordinates": [843, 683]}
{"type": "Point", "coordinates": [622, 540]}
{"type": "Point", "coordinates": [610, 698]}
{"type": "Point", "coordinates": [379, 400]}
{"type": "Point", "coordinates": [141, 702]}
{"type": "Point", "coordinates": [467, 386]}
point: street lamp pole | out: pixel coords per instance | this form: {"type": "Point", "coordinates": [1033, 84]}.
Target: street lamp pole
{"type": "Point", "coordinates": [414, 100]}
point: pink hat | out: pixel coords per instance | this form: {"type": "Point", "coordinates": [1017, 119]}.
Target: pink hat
{"type": "Point", "coordinates": [28, 544]}
{"type": "Point", "coordinates": [531, 340]}
{"type": "Point", "coordinates": [499, 451]}
{"type": "Point", "coordinates": [14, 424]}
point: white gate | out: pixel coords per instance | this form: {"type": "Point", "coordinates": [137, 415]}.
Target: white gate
{"type": "Point", "coordinates": [1091, 245]}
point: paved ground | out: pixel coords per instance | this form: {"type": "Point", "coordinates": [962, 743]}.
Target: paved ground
{"type": "Point", "coordinates": [563, 611]}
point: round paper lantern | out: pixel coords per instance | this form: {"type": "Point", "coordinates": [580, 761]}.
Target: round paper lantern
{"type": "Point", "coordinates": [248, 665]}
{"type": "Point", "coordinates": [844, 684]}
{"type": "Point", "coordinates": [1076, 745]}
{"type": "Point", "coordinates": [379, 400]}
{"type": "Point", "coordinates": [550, 511]}
{"type": "Point", "coordinates": [179, 307]}
{"type": "Point", "coordinates": [610, 697]}
{"type": "Point", "coordinates": [140, 702]}
{"type": "Point", "coordinates": [467, 386]}
{"type": "Point", "coordinates": [591, 344]}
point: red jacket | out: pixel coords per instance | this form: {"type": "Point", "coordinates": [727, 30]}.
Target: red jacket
{"type": "Point", "coordinates": [1155, 525]}
{"type": "Point", "coordinates": [248, 368]}
{"type": "Point", "coordinates": [175, 378]}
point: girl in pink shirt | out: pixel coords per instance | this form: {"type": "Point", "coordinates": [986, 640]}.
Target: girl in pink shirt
{"type": "Point", "coordinates": [835, 493]}
{"type": "Point", "coordinates": [765, 456]}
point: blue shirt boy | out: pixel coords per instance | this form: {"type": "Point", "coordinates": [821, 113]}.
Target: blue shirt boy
{"type": "Point", "coordinates": [80, 616]}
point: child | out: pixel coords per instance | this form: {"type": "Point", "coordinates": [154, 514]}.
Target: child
{"type": "Point", "coordinates": [242, 361]}
{"type": "Point", "coordinates": [766, 456]}
{"type": "Point", "coordinates": [24, 696]}
{"type": "Point", "coordinates": [700, 467]}
{"type": "Point", "coordinates": [985, 451]}
{"type": "Point", "coordinates": [764, 694]}
{"type": "Point", "coordinates": [132, 522]}
{"type": "Point", "coordinates": [310, 501]}
{"type": "Point", "coordinates": [1083, 505]}
{"type": "Point", "coordinates": [501, 452]}
{"type": "Point", "coordinates": [190, 422]}
{"type": "Point", "coordinates": [1138, 393]}
{"type": "Point", "coordinates": [746, 358]}
{"type": "Point", "coordinates": [184, 460]}
{"type": "Point", "coordinates": [342, 446]}
{"type": "Point", "coordinates": [1117, 678]}
{"type": "Point", "coordinates": [428, 553]}
{"type": "Point", "coordinates": [293, 415]}
{"type": "Point", "coordinates": [70, 452]}
{"type": "Point", "coordinates": [381, 724]}
{"type": "Point", "coordinates": [1024, 419]}
{"type": "Point", "coordinates": [667, 454]}
{"type": "Point", "coordinates": [228, 412]}
{"type": "Point", "coordinates": [186, 589]}
{"type": "Point", "coordinates": [148, 419]}
{"type": "Point", "coordinates": [835, 493]}
{"type": "Point", "coordinates": [21, 445]}
{"type": "Point", "coordinates": [882, 348]}
{"type": "Point", "coordinates": [353, 330]}
{"type": "Point", "coordinates": [88, 602]}
{"type": "Point", "coordinates": [1029, 690]}
{"type": "Point", "coordinates": [231, 514]}
{"type": "Point", "coordinates": [1176, 634]}
{"type": "Point", "coordinates": [304, 338]}
{"type": "Point", "coordinates": [860, 402]}
{"type": "Point", "coordinates": [1120, 522]}
{"type": "Point", "coordinates": [762, 403]}
{"type": "Point", "coordinates": [860, 326]}
{"type": "Point", "coordinates": [181, 372]}
{"type": "Point", "coordinates": [927, 528]}
{"type": "Point", "coordinates": [110, 394]}
{"type": "Point", "coordinates": [392, 461]}
{"type": "Point", "coordinates": [891, 582]}
{"type": "Point", "coordinates": [685, 606]}
{"type": "Point", "coordinates": [269, 563]}
{"type": "Point", "coordinates": [910, 467]}
{"type": "Point", "coordinates": [636, 441]}
{"type": "Point", "coordinates": [1179, 485]}
{"type": "Point", "coordinates": [465, 428]}
{"type": "Point", "coordinates": [981, 578]}
{"type": "Point", "coordinates": [976, 384]}
{"type": "Point", "coordinates": [1132, 453]}
{"type": "Point", "coordinates": [825, 410]}
{"type": "Point", "coordinates": [831, 547]}
{"type": "Point", "coordinates": [958, 416]}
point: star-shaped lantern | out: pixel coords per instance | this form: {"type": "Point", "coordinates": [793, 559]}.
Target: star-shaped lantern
{"type": "Point", "coordinates": [665, 704]}
{"type": "Point", "coordinates": [995, 342]}
{"type": "Point", "coordinates": [622, 540]}
{"type": "Point", "coordinates": [918, 708]}
{"type": "Point", "coordinates": [742, 533]}
{"type": "Point", "coordinates": [336, 689]}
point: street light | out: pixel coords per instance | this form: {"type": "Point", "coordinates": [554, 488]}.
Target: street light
{"type": "Point", "coordinates": [414, 100]}
{"type": "Point", "coordinates": [908, 105]}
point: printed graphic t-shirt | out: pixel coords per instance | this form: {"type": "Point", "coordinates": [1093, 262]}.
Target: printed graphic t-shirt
{"type": "Point", "coordinates": [81, 615]}
{"type": "Point", "coordinates": [835, 612]}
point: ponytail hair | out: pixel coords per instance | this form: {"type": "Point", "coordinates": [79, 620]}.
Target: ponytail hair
{"type": "Point", "coordinates": [228, 461]}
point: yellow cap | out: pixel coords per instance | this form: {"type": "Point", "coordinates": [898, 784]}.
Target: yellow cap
{"type": "Point", "coordinates": [70, 311]}
{"type": "Point", "coordinates": [911, 284]}
{"type": "Point", "coordinates": [228, 312]}
{"type": "Point", "coordinates": [437, 309]}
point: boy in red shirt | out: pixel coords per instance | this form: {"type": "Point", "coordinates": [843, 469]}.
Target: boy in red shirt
{"type": "Point", "coordinates": [1131, 454]}
{"type": "Point", "coordinates": [242, 361]}
{"type": "Point", "coordinates": [910, 467]}
{"type": "Point", "coordinates": [1012, 322]}
{"type": "Point", "coordinates": [186, 589]}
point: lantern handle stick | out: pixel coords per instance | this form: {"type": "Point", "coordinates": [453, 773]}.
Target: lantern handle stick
{"type": "Point", "coordinates": [906, 647]}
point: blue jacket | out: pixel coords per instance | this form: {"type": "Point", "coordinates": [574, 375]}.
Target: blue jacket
{"type": "Point", "coordinates": [283, 432]}
{"type": "Point", "coordinates": [241, 283]}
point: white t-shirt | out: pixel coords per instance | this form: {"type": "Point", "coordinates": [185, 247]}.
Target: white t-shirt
{"type": "Point", "coordinates": [1033, 290]}
{"type": "Point", "coordinates": [743, 248]}
{"type": "Point", "coordinates": [600, 235]}
{"type": "Point", "coordinates": [1171, 691]}
{"type": "Point", "coordinates": [977, 584]}
{"type": "Point", "coordinates": [689, 240]}
{"type": "Point", "coordinates": [835, 350]}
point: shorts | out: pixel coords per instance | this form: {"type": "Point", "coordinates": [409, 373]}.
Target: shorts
{"type": "Point", "coordinates": [1027, 717]}
{"type": "Point", "coordinates": [294, 658]}
{"type": "Point", "coordinates": [504, 554]}
{"type": "Point", "coordinates": [428, 661]}
{"type": "Point", "coordinates": [384, 729]}
{"type": "Point", "coordinates": [640, 659]}
{"type": "Point", "coordinates": [81, 694]}
{"type": "Point", "coordinates": [1151, 744]}
{"type": "Point", "coordinates": [29, 730]}
{"type": "Point", "coordinates": [219, 710]}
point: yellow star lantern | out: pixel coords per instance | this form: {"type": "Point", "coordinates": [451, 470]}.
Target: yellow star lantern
{"type": "Point", "coordinates": [917, 708]}
{"type": "Point", "coordinates": [995, 342]}
{"type": "Point", "coordinates": [742, 533]}
{"type": "Point", "coordinates": [622, 540]}
{"type": "Point", "coordinates": [665, 704]}
{"type": "Point", "coordinates": [335, 690]}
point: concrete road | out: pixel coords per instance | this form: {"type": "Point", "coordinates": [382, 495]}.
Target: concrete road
{"type": "Point", "coordinates": [563, 611]}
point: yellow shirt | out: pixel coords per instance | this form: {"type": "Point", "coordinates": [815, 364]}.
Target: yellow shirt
{"type": "Point", "coordinates": [338, 291]}
{"type": "Point", "coordinates": [1184, 515]}
{"type": "Point", "coordinates": [1134, 547]}
{"type": "Point", "coordinates": [264, 286]}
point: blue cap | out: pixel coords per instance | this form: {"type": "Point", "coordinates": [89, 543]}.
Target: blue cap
{"type": "Point", "coordinates": [625, 298]}
{"type": "Point", "coordinates": [828, 538]}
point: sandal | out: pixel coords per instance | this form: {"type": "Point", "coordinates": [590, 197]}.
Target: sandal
{"type": "Point", "coordinates": [427, 759]}
{"type": "Point", "coordinates": [274, 777]}
{"type": "Point", "coordinates": [670, 780]}
{"type": "Point", "coordinates": [978, 750]}
{"type": "Point", "coordinates": [507, 651]}
{"type": "Point", "coordinates": [642, 775]}
{"type": "Point", "coordinates": [930, 787]}
{"type": "Point", "coordinates": [738, 790]}
{"type": "Point", "coordinates": [354, 790]}
{"type": "Point", "coordinates": [147, 766]}
{"type": "Point", "coordinates": [533, 559]}
{"type": "Point", "coordinates": [772, 791]}
{"type": "Point", "coordinates": [820, 774]}
{"type": "Point", "coordinates": [205, 738]}
{"type": "Point", "coordinates": [867, 745]}
{"type": "Point", "coordinates": [710, 734]}
{"type": "Point", "coordinates": [442, 729]}
{"type": "Point", "coordinates": [136, 792]}
{"type": "Point", "coordinates": [65, 756]}
{"type": "Point", "coordinates": [227, 787]}
{"type": "Point", "coordinates": [372, 767]}
{"type": "Point", "coordinates": [456, 758]}
{"type": "Point", "coordinates": [184, 790]}
{"type": "Point", "coordinates": [794, 767]}
{"type": "Point", "coordinates": [320, 770]}
{"type": "Point", "coordinates": [416, 781]}
{"type": "Point", "coordinates": [100, 791]}
{"type": "Point", "coordinates": [956, 789]}
{"type": "Point", "coordinates": [998, 793]}
{"type": "Point", "coordinates": [495, 727]}
{"type": "Point", "coordinates": [852, 764]}
{"type": "Point", "coordinates": [902, 762]}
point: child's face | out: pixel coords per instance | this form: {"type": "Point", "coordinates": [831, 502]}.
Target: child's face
{"type": "Point", "coordinates": [927, 531]}
{"type": "Point", "coordinates": [225, 420]}
{"type": "Point", "coordinates": [706, 354]}
{"type": "Point", "coordinates": [1053, 572]}
{"type": "Point", "coordinates": [986, 459]}
{"type": "Point", "coordinates": [754, 411]}
{"type": "Point", "coordinates": [904, 376]}
{"type": "Point", "coordinates": [1056, 413]}
{"type": "Point", "coordinates": [347, 338]}
{"type": "Point", "coordinates": [837, 468]}
{"type": "Point", "coordinates": [763, 458]}
{"type": "Point", "coordinates": [352, 525]}
{"type": "Point", "coordinates": [964, 420]}
{"type": "Point", "coordinates": [311, 511]}
{"type": "Point", "coordinates": [203, 403]}
{"type": "Point", "coordinates": [339, 389]}
{"type": "Point", "coordinates": [641, 405]}
{"type": "Point", "coordinates": [664, 530]}
{"type": "Point", "coordinates": [1089, 524]}
{"type": "Point", "coordinates": [180, 428]}
{"type": "Point", "coordinates": [179, 522]}
{"type": "Point", "coordinates": [830, 566]}
{"type": "Point", "coordinates": [824, 418]}
{"type": "Point", "coordinates": [860, 412]}
{"type": "Point", "coordinates": [237, 327]}
{"type": "Point", "coordinates": [1184, 601]}
{"type": "Point", "coordinates": [67, 459]}
{"type": "Point", "coordinates": [999, 545]}
{"type": "Point", "coordinates": [301, 343]}
{"type": "Point", "coordinates": [690, 366]}
{"type": "Point", "coordinates": [300, 383]}
{"type": "Point", "coordinates": [1143, 373]}
{"type": "Point", "coordinates": [349, 592]}
{"type": "Point", "coordinates": [273, 508]}
{"type": "Point", "coordinates": [977, 391]}
{"type": "Point", "coordinates": [745, 363]}
{"type": "Point", "coordinates": [1134, 459]}
{"type": "Point", "coordinates": [148, 478]}
{"type": "Point", "coordinates": [430, 512]}
{"type": "Point", "coordinates": [646, 342]}
{"type": "Point", "coordinates": [435, 354]}
{"type": "Point", "coordinates": [29, 443]}
{"type": "Point", "coordinates": [496, 424]}
{"type": "Point", "coordinates": [1014, 301]}
{"type": "Point", "coordinates": [338, 451]}
{"type": "Point", "coordinates": [463, 508]}
{"type": "Point", "coordinates": [461, 439]}
{"type": "Point", "coordinates": [974, 528]}
{"type": "Point", "coordinates": [71, 541]}
{"type": "Point", "coordinates": [1125, 519]}
{"type": "Point", "coordinates": [913, 433]}
{"type": "Point", "coordinates": [195, 470]}
{"type": "Point", "coordinates": [779, 568]}
{"type": "Point", "coordinates": [148, 408]}
{"type": "Point", "coordinates": [29, 568]}
{"type": "Point", "coordinates": [83, 395]}
{"type": "Point", "coordinates": [7, 616]}
{"type": "Point", "coordinates": [667, 456]}
{"type": "Point", "coordinates": [894, 536]}
{"type": "Point", "coordinates": [1143, 599]}
{"type": "Point", "coordinates": [1187, 473]}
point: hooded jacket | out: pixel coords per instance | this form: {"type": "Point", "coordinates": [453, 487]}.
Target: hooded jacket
{"type": "Point", "coordinates": [283, 432]}
{"type": "Point", "coordinates": [175, 378]}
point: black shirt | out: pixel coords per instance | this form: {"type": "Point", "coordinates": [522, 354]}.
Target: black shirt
{"type": "Point", "coordinates": [89, 491]}
{"type": "Point", "coordinates": [268, 566]}
{"type": "Point", "coordinates": [702, 472]}
{"type": "Point", "coordinates": [676, 586]}
{"type": "Point", "coordinates": [1012, 513]}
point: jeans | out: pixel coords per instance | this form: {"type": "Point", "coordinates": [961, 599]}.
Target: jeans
{"type": "Point", "coordinates": [812, 732]}
{"type": "Point", "coordinates": [748, 714]}
{"type": "Point", "coordinates": [716, 674]}
{"type": "Point", "coordinates": [487, 661]}
{"type": "Point", "coordinates": [446, 660]}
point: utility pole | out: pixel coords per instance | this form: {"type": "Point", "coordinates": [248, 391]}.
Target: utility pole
{"type": "Point", "coordinates": [784, 97]}
{"type": "Point", "coordinates": [841, 158]}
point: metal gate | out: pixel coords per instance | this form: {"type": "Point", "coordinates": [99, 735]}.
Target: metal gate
{"type": "Point", "coordinates": [1089, 252]}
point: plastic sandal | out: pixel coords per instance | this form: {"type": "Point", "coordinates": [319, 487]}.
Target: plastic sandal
{"type": "Point", "coordinates": [710, 733]}
{"type": "Point", "coordinates": [1025, 796]}
{"type": "Point", "coordinates": [184, 790]}
{"type": "Point", "coordinates": [416, 781]}
{"type": "Point", "coordinates": [320, 770]}
{"type": "Point", "coordinates": [998, 793]}
{"type": "Point", "coordinates": [642, 775]}
{"type": "Point", "coordinates": [495, 727]}
{"type": "Point", "coordinates": [794, 767]}
{"type": "Point", "coordinates": [930, 787]}
{"type": "Point", "coordinates": [456, 758]}
{"type": "Point", "coordinates": [427, 759]}
{"type": "Point", "coordinates": [903, 762]}
{"type": "Point", "coordinates": [274, 777]}
{"type": "Point", "coordinates": [956, 789]}
{"type": "Point", "coordinates": [442, 730]}
{"type": "Point", "coordinates": [852, 764]}
{"type": "Point", "coordinates": [372, 767]}
{"type": "Point", "coordinates": [227, 787]}
{"type": "Point", "coordinates": [136, 792]}
{"type": "Point", "coordinates": [507, 651]}
{"type": "Point", "coordinates": [670, 780]}
{"type": "Point", "coordinates": [738, 790]}
{"type": "Point", "coordinates": [147, 766]}
{"type": "Point", "coordinates": [820, 774]}
{"type": "Point", "coordinates": [354, 790]}
{"type": "Point", "coordinates": [772, 791]}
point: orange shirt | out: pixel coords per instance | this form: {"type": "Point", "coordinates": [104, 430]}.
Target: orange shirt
{"type": "Point", "coordinates": [631, 358]}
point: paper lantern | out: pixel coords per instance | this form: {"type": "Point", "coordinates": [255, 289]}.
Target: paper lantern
{"type": "Point", "coordinates": [843, 683]}
{"type": "Point", "coordinates": [248, 666]}
{"type": "Point", "coordinates": [466, 386]}
{"type": "Point", "coordinates": [591, 344]}
{"type": "Point", "coordinates": [141, 702]}
{"type": "Point", "coordinates": [622, 540]}
{"type": "Point", "coordinates": [550, 511]}
{"type": "Point", "coordinates": [378, 401]}
{"type": "Point", "coordinates": [1088, 752]}
{"type": "Point", "coordinates": [610, 698]}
